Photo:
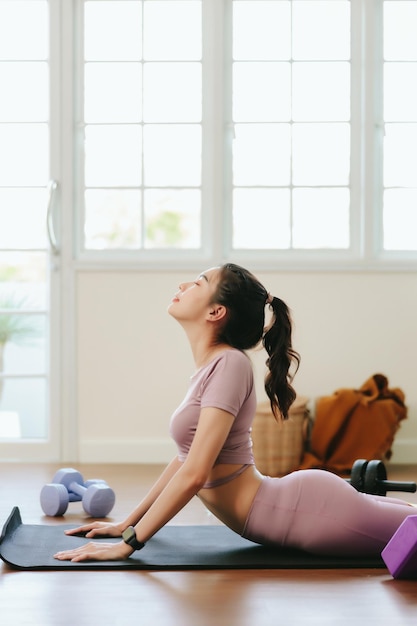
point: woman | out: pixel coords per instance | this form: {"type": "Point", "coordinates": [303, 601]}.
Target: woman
{"type": "Point", "coordinates": [223, 314]}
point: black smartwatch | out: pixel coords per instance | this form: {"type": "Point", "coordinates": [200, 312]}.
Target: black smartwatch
{"type": "Point", "coordinates": [129, 537]}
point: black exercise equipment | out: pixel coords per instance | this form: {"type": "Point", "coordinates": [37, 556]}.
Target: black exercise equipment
{"type": "Point", "coordinates": [371, 477]}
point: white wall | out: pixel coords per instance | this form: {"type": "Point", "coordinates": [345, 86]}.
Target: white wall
{"type": "Point", "coordinates": [134, 361]}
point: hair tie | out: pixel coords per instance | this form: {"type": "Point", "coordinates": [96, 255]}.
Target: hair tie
{"type": "Point", "coordinates": [269, 298]}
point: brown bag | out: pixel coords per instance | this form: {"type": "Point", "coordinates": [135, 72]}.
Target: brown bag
{"type": "Point", "coordinates": [355, 424]}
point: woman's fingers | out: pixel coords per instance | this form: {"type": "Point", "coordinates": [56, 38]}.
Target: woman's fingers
{"type": "Point", "coordinates": [93, 552]}
{"type": "Point", "coordinates": [95, 529]}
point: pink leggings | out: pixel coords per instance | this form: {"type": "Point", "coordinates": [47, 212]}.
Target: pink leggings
{"type": "Point", "coordinates": [320, 512]}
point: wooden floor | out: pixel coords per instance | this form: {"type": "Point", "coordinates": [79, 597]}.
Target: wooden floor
{"type": "Point", "coordinates": [193, 598]}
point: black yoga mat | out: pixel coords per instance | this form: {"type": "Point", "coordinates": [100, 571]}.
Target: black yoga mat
{"type": "Point", "coordinates": [31, 546]}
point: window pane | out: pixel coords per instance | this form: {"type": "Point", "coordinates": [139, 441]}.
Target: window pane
{"type": "Point", "coordinates": [321, 218]}
{"type": "Point", "coordinates": [399, 142]}
{"type": "Point", "coordinates": [261, 92]}
{"type": "Point", "coordinates": [400, 219]}
{"type": "Point", "coordinates": [10, 427]}
{"type": "Point", "coordinates": [113, 155]}
{"type": "Point", "coordinates": [23, 408]}
{"type": "Point", "coordinates": [321, 154]}
{"type": "Point", "coordinates": [400, 155]}
{"type": "Point", "coordinates": [23, 30]}
{"type": "Point", "coordinates": [113, 92]}
{"type": "Point", "coordinates": [400, 41]}
{"type": "Point", "coordinates": [261, 218]}
{"type": "Point", "coordinates": [23, 278]}
{"type": "Point", "coordinates": [172, 92]}
{"type": "Point", "coordinates": [112, 219]}
{"type": "Point", "coordinates": [22, 218]}
{"type": "Point", "coordinates": [24, 92]}
{"type": "Point", "coordinates": [172, 30]}
{"type": "Point", "coordinates": [261, 154]}
{"type": "Point", "coordinates": [24, 154]}
{"type": "Point", "coordinates": [113, 31]}
{"type": "Point", "coordinates": [321, 91]}
{"type": "Point", "coordinates": [173, 218]}
{"type": "Point", "coordinates": [172, 155]}
{"type": "Point", "coordinates": [162, 94]}
{"type": "Point", "coordinates": [313, 86]}
{"type": "Point", "coordinates": [261, 30]}
{"type": "Point", "coordinates": [321, 30]}
{"type": "Point", "coordinates": [400, 94]}
{"type": "Point", "coordinates": [22, 341]}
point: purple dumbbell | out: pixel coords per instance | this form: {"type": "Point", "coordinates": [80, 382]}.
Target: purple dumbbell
{"type": "Point", "coordinates": [400, 553]}
{"type": "Point", "coordinates": [68, 486]}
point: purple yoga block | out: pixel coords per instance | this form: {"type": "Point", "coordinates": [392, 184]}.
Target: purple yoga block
{"type": "Point", "coordinates": [400, 553]}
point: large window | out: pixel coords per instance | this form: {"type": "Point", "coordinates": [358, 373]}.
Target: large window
{"type": "Point", "coordinates": [277, 131]}
{"type": "Point", "coordinates": [24, 168]}
{"type": "Point", "coordinates": [312, 103]}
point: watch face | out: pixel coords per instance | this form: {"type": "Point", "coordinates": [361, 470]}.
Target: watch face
{"type": "Point", "coordinates": [128, 534]}
{"type": "Point", "coordinates": [129, 537]}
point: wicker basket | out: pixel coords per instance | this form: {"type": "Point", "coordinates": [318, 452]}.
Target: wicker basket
{"type": "Point", "coordinates": [279, 447]}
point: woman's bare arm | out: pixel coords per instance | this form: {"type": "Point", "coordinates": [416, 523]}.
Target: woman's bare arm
{"type": "Point", "coordinates": [158, 487]}
{"type": "Point", "coordinates": [108, 529]}
{"type": "Point", "coordinates": [213, 427]}
{"type": "Point", "coordinates": [175, 488]}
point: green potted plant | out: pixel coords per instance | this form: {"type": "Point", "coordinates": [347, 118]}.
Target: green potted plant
{"type": "Point", "coordinates": [14, 327]}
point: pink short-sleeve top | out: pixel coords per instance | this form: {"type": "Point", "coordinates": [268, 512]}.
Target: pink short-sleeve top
{"type": "Point", "coordinates": [224, 383]}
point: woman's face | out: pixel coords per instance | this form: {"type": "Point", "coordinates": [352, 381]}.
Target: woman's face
{"type": "Point", "coordinates": [193, 299]}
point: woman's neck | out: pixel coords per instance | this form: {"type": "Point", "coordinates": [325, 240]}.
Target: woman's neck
{"type": "Point", "coordinates": [204, 351]}
{"type": "Point", "coordinates": [209, 356]}
{"type": "Point", "coordinates": [203, 343]}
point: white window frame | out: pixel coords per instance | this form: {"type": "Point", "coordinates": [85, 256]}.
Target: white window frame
{"type": "Point", "coordinates": [366, 252]}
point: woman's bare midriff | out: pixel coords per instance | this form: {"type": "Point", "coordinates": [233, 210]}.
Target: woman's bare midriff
{"type": "Point", "coordinates": [231, 502]}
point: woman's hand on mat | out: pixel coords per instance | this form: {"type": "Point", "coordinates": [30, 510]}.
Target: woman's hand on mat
{"type": "Point", "coordinates": [97, 529]}
{"type": "Point", "coordinates": [96, 551]}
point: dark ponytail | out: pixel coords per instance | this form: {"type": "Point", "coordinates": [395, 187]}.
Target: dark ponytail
{"type": "Point", "coordinates": [281, 357]}
{"type": "Point", "coordinates": [245, 299]}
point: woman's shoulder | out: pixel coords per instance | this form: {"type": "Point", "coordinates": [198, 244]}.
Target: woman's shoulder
{"type": "Point", "coordinates": [238, 355]}
{"type": "Point", "coordinates": [227, 381]}
{"type": "Point", "coordinates": [227, 360]}
{"type": "Point", "coordinates": [231, 358]}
